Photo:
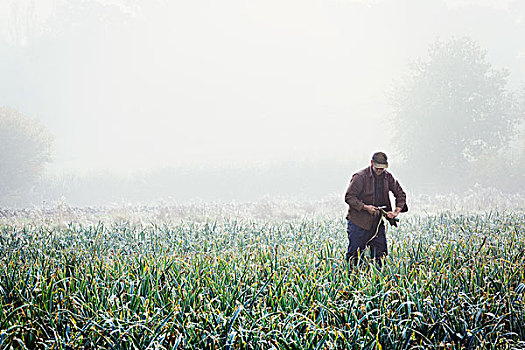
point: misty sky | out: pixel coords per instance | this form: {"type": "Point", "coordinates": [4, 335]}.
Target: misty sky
{"type": "Point", "coordinates": [128, 84]}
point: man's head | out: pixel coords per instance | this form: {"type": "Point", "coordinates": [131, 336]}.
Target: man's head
{"type": "Point", "coordinates": [379, 162]}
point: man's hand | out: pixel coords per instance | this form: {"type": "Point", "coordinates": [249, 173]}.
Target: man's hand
{"type": "Point", "coordinates": [393, 214]}
{"type": "Point", "coordinates": [371, 209]}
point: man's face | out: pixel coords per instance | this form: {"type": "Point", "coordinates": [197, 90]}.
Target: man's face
{"type": "Point", "coordinates": [378, 171]}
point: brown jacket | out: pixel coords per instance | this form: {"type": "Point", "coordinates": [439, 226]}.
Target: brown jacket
{"type": "Point", "coordinates": [361, 192]}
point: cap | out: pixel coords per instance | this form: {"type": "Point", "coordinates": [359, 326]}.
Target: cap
{"type": "Point", "coordinates": [380, 160]}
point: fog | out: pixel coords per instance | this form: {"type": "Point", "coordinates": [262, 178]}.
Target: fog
{"type": "Point", "coordinates": [227, 100]}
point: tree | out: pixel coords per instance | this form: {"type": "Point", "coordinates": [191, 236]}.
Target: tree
{"type": "Point", "coordinates": [25, 149]}
{"type": "Point", "coordinates": [453, 109]}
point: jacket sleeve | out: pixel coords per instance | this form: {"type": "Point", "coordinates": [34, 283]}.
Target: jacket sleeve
{"type": "Point", "coordinates": [398, 192]}
{"type": "Point", "coordinates": [354, 189]}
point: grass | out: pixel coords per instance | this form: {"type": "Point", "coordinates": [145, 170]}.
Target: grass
{"type": "Point", "coordinates": [450, 282]}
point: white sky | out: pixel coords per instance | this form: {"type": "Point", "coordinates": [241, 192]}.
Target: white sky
{"type": "Point", "coordinates": [227, 82]}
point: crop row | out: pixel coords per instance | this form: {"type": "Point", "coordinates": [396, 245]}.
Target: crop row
{"type": "Point", "coordinates": [450, 281]}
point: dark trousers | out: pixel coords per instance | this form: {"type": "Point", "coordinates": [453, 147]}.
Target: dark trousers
{"type": "Point", "coordinates": [359, 239]}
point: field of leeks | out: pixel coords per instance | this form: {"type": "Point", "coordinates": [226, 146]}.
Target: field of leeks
{"type": "Point", "coordinates": [451, 281]}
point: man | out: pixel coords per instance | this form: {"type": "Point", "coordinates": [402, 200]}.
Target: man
{"type": "Point", "coordinates": [369, 189]}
